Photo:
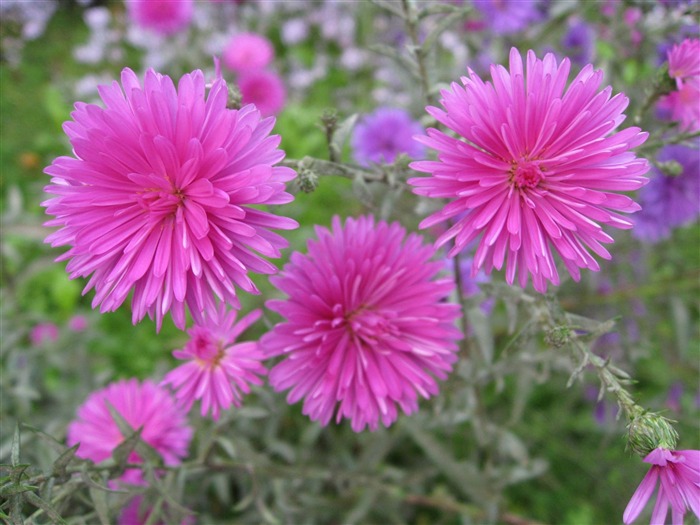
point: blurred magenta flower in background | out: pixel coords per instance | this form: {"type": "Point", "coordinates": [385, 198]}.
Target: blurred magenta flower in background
{"type": "Point", "coordinates": [43, 333]}
{"type": "Point", "coordinates": [265, 89]}
{"type": "Point", "coordinates": [161, 16]}
{"type": "Point", "coordinates": [218, 370]}
{"type": "Point", "coordinates": [142, 405]}
{"type": "Point", "coordinates": [367, 326]}
{"type": "Point", "coordinates": [384, 134]}
{"type": "Point", "coordinates": [157, 198]}
{"type": "Point", "coordinates": [535, 167]}
{"type": "Point", "coordinates": [248, 51]}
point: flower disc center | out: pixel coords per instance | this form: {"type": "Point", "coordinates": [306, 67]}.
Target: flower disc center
{"type": "Point", "coordinates": [527, 174]}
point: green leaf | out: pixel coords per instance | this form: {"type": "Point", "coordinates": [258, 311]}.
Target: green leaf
{"type": "Point", "coordinates": [143, 449]}
{"type": "Point", "coordinates": [59, 466]}
{"type": "Point", "coordinates": [15, 451]}
{"type": "Point", "coordinates": [15, 488]}
{"type": "Point", "coordinates": [99, 501]}
{"type": "Point", "coordinates": [52, 513]}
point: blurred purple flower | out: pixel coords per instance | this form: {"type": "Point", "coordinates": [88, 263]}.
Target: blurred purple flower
{"type": "Point", "coordinates": [504, 17]}
{"type": "Point", "coordinates": [43, 333]}
{"type": "Point", "coordinates": [248, 51]}
{"type": "Point", "coordinates": [578, 42]}
{"type": "Point", "coordinates": [264, 89]}
{"type": "Point", "coordinates": [673, 398]}
{"type": "Point", "coordinates": [161, 16]}
{"type": "Point", "coordinates": [382, 135]}
{"type": "Point", "coordinates": [670, 201]}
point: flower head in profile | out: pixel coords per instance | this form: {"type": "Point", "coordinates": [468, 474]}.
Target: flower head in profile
{"type": "Point", "coordinates": [384, 134]}
{"type": "Point", "coordinates": [684, 62]}
{"type": "Point", "coordinates": [677, 473]}
{"type": "Point", "coordinates": [142, 405]}
{"type": "Point", "coordinates": [247, 51]}
{"type": "Point", "coordinates": [218, 370]}
{"type": "Point", "coordinates": [161, 16]}
{"type": "Point", "coordinates": [683, 105]}
{"type": "Point", "coordinates": [161, 196]}
{"type": "Point", "coordinates": [670, 200]}
{"type": "Point", "coordinates": [264, 89]}
{"type": "Point", "coordinates": [536, 167]}
{"type": "Point", "coordinates": [367, 328]}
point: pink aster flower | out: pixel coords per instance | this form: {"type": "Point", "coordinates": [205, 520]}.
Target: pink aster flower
{"type": "Point", "coordinates": [684, 62]}
{"type": "Point", "coordinates": [248, 51]}
{"type": "Point", "coordinates": [264, 89]}
{"type": "Point", "coordinates": [218, 370]}
{"type": "Point", "coordinates": [535, 167]}
{"type": "Point", "coordinates": [161, 16]}
{"type": "Point", "coordinates": [162, 196]}
{"type": "Point", "coordinates": [141, 405]}
{"type": "Point", "coordinates": [367, 326]}
{"type": "Point", "coordinates": [679, 472]}
{"type": "Point", "coordinates": [683, 105]}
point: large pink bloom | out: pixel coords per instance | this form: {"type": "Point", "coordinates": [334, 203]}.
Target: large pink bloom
{"type": "Point", "coordinates": [141, 405]}
{"type": "Point", "coordinates": [157, 198]}
{"type": "Point", "coordinates": [217, 369]}
{"type": "Point", "coordinates": [679, 472]}
{"type": "Point", "coordinates": [367, 326]}
{"type": "Point", "coordinates": [534, 167]}
{"type": "Point", "coordinates": [161, 16]}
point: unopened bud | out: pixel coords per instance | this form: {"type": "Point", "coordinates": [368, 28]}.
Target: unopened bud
{"type": "Point", "coordinates": [558, 336]}
{"type": "Point", "coordinates": [671, 168]}
{"type": "Point", "coordinates": [235, 99]}
{"type": "Point", "coordinates": [648, 431]}
{"type": "Point", "coordinates": [307, 180]}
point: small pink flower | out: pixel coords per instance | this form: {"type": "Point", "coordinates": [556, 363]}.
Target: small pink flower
{"type": "Point", "coordinates": [679, 473]}
{"type": "Point", "coordinates": [368, 328]}
{"type": "Point", "coordinates": [43, 333]}
{"type": "Point", "coordinates": [531, 168]}
{"type": "Point", "coordinates": [141, 405]}
{"type": "Point", "coordinates": [218, 370]}
{"type": "Point", "coordinates": [248, 51]}
{"type": "Point", "coordinates": [161, 16]}
{"type": "Point", "coordinates": [264, 89]}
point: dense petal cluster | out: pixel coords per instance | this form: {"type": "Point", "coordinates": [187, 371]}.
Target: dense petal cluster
{"type": "Point", "coordinates": [161, 16]}
{"type": "Point", "coordinates": [142, 405]}
{"type": "Point", "coordinates": [670, 201]}
{"type": "Point", "coordinates": [384, 134]}
{"type": "Point", "coordinates": [160, 196]}
{"type": "Point", "coordinates": [367, 326]}
{"type": "Point", "coordinates": [679, 474]}
{"type": "Point", "coordinates": [534, 167]}
{"type": "Point", "coordinates": [218, 370]}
